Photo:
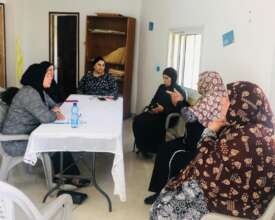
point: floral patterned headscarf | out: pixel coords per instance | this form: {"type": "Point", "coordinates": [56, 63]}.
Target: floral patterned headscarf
{"type": "Point", "coordinates": [248, 104]}
{"type": "Point", "coordinates": [236, 170]}
{"type": "Point", "coordinates": [212, 89]}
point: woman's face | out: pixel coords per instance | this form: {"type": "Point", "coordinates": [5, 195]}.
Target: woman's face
{"type": "Point", "coordinates": [48, 77]}
{"type": "Point", "coordinates": [167, 80]}
{"type": "Point", "coordinates": [225, 103]}
{"type": "Point", "coordinates": [99, 67]}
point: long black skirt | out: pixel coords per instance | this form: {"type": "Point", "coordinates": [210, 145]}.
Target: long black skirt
{"type": "Point", "coordinates": [149, 131]}
{"type": "Point", "coordinates": [69, 166]}
{"type": "Point", "coordinates": [180, 160]}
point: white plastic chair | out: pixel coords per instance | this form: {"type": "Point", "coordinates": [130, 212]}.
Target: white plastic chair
{"type": "Point", "coordinates": [269, 214]}
{"type": "Point", "coordinates": [12, 200]}
{"type": "Point", "coordinates": [8, 162]}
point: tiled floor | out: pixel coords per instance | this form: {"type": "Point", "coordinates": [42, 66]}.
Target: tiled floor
{"type": "Point", "coordinates": [137, 172]}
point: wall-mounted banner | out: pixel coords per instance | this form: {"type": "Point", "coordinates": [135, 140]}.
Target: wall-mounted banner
{"type": "Point", "coordinates": [19, 59]}
{"type": "Point", "coordinates": [228, 38]}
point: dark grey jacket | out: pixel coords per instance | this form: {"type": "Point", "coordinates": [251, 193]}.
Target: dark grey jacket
{"type": "Point", "coordinates": [27, 112]}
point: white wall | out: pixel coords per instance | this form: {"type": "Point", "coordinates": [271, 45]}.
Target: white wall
{"type": "Point", "coordinates": [34, 28]}
{"type": "Point", "coordinates": [251, 57]}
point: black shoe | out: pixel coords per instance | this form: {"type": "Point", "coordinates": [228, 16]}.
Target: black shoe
{"type": "Point", "coordinates": [151, 199]}
{"type": "Point", "coordinates": [146, 155]}
{"type": "Point", "coordinates": [78, 182]}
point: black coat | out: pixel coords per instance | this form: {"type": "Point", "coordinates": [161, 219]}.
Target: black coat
{"type": "Point", "coordinates": [163, 98]}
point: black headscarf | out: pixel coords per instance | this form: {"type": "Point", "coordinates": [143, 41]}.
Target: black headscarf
{"type": "Point", "coordinates": [172, 73]}
{"type": "Point", "coordinates": [55, 91]}
{"type": "Point", "coordinates": [34, 77]}
{"type": "Point", "coordinates": [45, 65]}
{"type": "Point", "coordinates": [162, 97]}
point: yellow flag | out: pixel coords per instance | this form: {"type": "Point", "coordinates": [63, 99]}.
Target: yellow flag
{"type": "Point", "coordinates": [19, 59]}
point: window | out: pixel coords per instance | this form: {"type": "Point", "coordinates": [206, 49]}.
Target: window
{"type": "Point", "coordinates": [184, 55]}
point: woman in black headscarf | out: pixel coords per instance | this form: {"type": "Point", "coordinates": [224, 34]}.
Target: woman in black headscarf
{"type": "Point", "coordinates": [149, 126]}
{"type": "Point", "coordinates": [30, 107]}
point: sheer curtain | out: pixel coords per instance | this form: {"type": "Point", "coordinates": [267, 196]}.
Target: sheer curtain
{"type": "Point", "coordinates": [184, 55]}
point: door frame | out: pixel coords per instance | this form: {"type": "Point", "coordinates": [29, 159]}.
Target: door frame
{"type": "Point", "coordinates": [51, 42]}
{"type": "Point", "coordinates": [3, 38]}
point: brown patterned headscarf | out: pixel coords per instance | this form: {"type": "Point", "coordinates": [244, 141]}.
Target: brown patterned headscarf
{"type": "Point", "coordinates": [248, 104]}
{"type": "Point", "coordinates": [212, 89]}
{"type": "Point", "coordinates": [236, 171]}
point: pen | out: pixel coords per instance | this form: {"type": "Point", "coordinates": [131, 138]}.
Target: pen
{"type": "Point", "coordinates": [71, 100]}
{"type": "Point", "coordinates": [61, 122]}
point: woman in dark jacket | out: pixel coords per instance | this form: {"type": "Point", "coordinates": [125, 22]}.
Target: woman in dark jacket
{"type": "Point", "coordinates": [149, 126]}
{"type": "Point", "coordinates": [175, 155]}
{"type": "Point", "coordinates": [99, 82]}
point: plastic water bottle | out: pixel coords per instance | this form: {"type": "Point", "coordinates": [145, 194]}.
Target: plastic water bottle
{"type": "Point", "coordinates": [74, 116]}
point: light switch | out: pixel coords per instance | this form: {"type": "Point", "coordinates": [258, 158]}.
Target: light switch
{"type": "Point", "coordinates": [157, 68]}
{"type": "Point", "coordinates": [151, 26]}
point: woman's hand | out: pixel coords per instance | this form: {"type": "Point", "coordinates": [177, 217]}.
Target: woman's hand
{"type": "Point", "coordinates": [56, 109]}
{"type": "Point", "coordinates": [59, 116]}
{"type": "Point", "coordinates": [176, 96]}
{"type": "Point", "coordinates": [158, 109]}
{"type": "Point", "coordinates": [217, 124]}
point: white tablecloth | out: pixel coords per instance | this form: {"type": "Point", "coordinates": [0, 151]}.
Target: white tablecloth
{"type": "Point", "coordinates": [100, 130]}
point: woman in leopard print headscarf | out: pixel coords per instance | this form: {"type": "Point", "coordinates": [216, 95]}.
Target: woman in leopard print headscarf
{"type": "Point", "coordinates": [234, 171]}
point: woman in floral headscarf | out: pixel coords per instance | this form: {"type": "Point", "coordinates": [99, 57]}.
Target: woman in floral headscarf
{"type": "Point", "coordinates": [212, 89]}
{"type": "Point", "coordinates": [233, 172]}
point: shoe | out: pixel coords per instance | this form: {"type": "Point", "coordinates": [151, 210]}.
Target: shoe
{"type": "Point", "coordinates": [151, 199]}
{"type": "Point", "coordinates": [146, 155]}
{"type": "Point", "coordinates": [78, 182]}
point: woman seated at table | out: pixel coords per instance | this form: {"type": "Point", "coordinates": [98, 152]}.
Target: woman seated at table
{"type": "Point", "coordinates": [149, 126]}
{"type": "Point", "coordinates": [177, 154]}
{"type": "Point", "coordinates": [234, 171]}
{"type": "Point", "coordinates": [98, 82]}
{"type": "Point", "coordinates": [30, 107]}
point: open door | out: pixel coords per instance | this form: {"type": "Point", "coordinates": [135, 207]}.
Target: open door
{"type": "Point", "coordinates": [64, 49]}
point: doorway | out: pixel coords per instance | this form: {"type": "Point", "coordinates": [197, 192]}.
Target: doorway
{"type": "Point", "coordinates": [64, 49]}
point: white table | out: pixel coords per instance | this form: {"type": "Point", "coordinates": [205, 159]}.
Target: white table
{"type": "Point", "coordinates": [100, 130]}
